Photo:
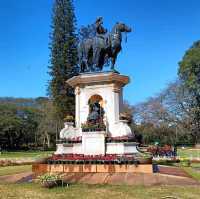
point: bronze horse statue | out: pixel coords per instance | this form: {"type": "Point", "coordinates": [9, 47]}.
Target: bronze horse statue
{"type": "Point", "coordinates": [93, 52]}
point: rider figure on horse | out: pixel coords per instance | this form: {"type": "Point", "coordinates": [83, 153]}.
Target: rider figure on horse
{"type": "Point", "coordinates": [100, 30]}
{"type": "Point", "coordinates": [101, 38]}
{"type": "Point", "coordinates": [96, 52]}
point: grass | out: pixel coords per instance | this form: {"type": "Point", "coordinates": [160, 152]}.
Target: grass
{"type": "Point", "coordinates": [83, 191]}
{"type": "Point", "coordinates": [9, 170]}
{"type": "Point", "coordinates": [35, 191]}
{"type": "Point", "coordinates": [25, 154]}
{"type": "Point", "coordinates": [188, 152]}
{"type": "Point", "coordinates": [192, 172]}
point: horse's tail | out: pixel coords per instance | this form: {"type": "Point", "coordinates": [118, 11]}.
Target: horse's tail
{"type": "Point", "coordinates": [81, 52]}
{"type": "Point", "coordinates": [82, 56]}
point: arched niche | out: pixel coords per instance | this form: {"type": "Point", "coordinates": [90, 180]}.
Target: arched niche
{"type": "Point", "coordinates": [96, 101]}
{"type": "Point", "coordinates": [96, 98]}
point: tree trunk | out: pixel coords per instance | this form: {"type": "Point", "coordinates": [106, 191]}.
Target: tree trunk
{"type": "Point", "coordinates": [48, 139]}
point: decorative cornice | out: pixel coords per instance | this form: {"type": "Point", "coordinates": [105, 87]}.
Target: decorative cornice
{"type": "Point", "coordinates": [98, 78]}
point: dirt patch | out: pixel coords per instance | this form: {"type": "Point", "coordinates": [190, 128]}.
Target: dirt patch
{"type": "Point", "coordinates": [169, 170]}
{"type": "Point", "coordinates": [17, 178]}
{"type": "Point", "coordinates": [129, 179]}
{"type": "Point", "coordinates": [164, 178]}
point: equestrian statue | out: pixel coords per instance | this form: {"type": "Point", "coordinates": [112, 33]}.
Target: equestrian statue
{"type": "Point", "coordinates": [94, 52]}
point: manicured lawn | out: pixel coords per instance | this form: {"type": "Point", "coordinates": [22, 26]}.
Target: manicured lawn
{"type": "Point", "coordinates": [25, 154]}
{"type": "Point", "coordinates": [188, 152]}
{"type": "Point", "coordinates": [9, 170]}
{"type": "Point", "coordinates": [192, 172]}
{"type": "Point", "coordinates": [34, 191]}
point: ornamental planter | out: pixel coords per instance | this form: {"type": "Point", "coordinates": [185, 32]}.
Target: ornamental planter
{"type": "Point", "coordinates": [51, 183]}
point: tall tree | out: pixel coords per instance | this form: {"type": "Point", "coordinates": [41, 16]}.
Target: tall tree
{"type": "Point", "coordinates": [63, 57]}
{"type": "Point", "coordinates": [167, 114]}
{"type": "Point", "coordinates": [189, 72]}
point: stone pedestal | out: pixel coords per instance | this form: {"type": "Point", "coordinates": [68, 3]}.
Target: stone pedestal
{"type": "Point", "coordinates": [121, 148]}
{"type": "Point", "coordinates": [93, 143]}
{"type": "Point", "coordinates": [66, 148]}
{"type": "Point", "coordinates": [107, 87]}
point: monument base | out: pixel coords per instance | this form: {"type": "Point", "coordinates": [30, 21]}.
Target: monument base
{"type": "Point", "coordinates": [121, 148]}
{"type": "Point", "coordinates": [93, 143]}
{"type": "Point", "coordinates": [69, 148]}
{"type": "Point", "coordinates": [39, 169]}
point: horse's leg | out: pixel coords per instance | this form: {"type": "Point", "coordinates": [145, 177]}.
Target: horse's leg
{"type": "Point", "coordinates": [113, 60]}
{"type": "Point", "coordinates": [102, 58]}
{"type": "Point", "coordinates": [96, 56]}
{"type": "Point", "coordinates": [86, 58]}
{"type": "Point", "coordinates": [89, 59]}
{"type": "Point", "coordinates": [115, 52]}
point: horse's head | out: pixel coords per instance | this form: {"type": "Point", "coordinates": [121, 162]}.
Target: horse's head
{"type": "Point", "coordinates": [123, 27]}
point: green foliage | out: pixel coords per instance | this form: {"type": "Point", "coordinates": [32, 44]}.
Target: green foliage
{"type": "Point", "coordinates": [48, 177]}
{"type": "Point", "coordinates": [194, 174]}
{"type": "Point", "coordinates": [63, 57]}
{"type": "Point", "coordinates": [105, 191]}
{"type": "Point", "coordinates": [25, 154]}
{"type": "Point", "coordinates": [151, 134]}
{"type": "Point", "coordinates": [28, 123]}
{"type": "Point", "coordinates": [17, 125]}
{"type": "Point", "coordinates": [189, 72]}
{"type": "Point", "coordinates": [69, 118]}
{"type": "Point", "coordinates": [93, 127]}
{"type": "Point", "coordinates": [10, 170]}
{"type": "Point", "coordinates": [189, 68]}
{"type": "Point", "coordinates": [188, 153]}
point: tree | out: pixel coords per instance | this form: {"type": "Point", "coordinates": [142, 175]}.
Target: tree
{"type": "Point", "coordinates": [49, 125]}
{"type": "Point", "coordinates": [63, 57]}
{"type": "Point", "coordinates": [18, 125]}
{"type": "Point", "coordinates": [189, 73]}
{"type": "Point", "coordinates": [166, 117]}
{"type": "Point", "coordinates": [127, 111]}
{"type": "Point", "coordinates": [28, 123]}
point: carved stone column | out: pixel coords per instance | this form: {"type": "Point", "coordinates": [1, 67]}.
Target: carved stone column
{"type": "Point", "coordinates": [77, 108]}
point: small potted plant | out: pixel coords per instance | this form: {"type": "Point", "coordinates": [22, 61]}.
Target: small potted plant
{"type": "Point", "coordinates": [69, 119]}
{"type": "Point", "coordinates": [50, 180]}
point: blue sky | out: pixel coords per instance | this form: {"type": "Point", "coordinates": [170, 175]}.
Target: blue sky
{"type": "Point", "coordinates": [163, 30]}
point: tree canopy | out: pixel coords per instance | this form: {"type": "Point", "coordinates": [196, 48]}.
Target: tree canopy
{"type": "Point", "coordinates": [63, 57]}
{"type": "Point", "coordinates": [189, 73]}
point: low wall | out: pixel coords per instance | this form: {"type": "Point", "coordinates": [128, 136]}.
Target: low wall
{"type": "Point", "coordinates": [39, 169]}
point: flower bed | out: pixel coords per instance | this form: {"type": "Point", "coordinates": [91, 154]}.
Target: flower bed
{"type": "Point", "coordinates": [93, 159]}
{"type": "Point", "coordinates": [120, 139]}
{"type": "Point", "coordinates": [89, 126]}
